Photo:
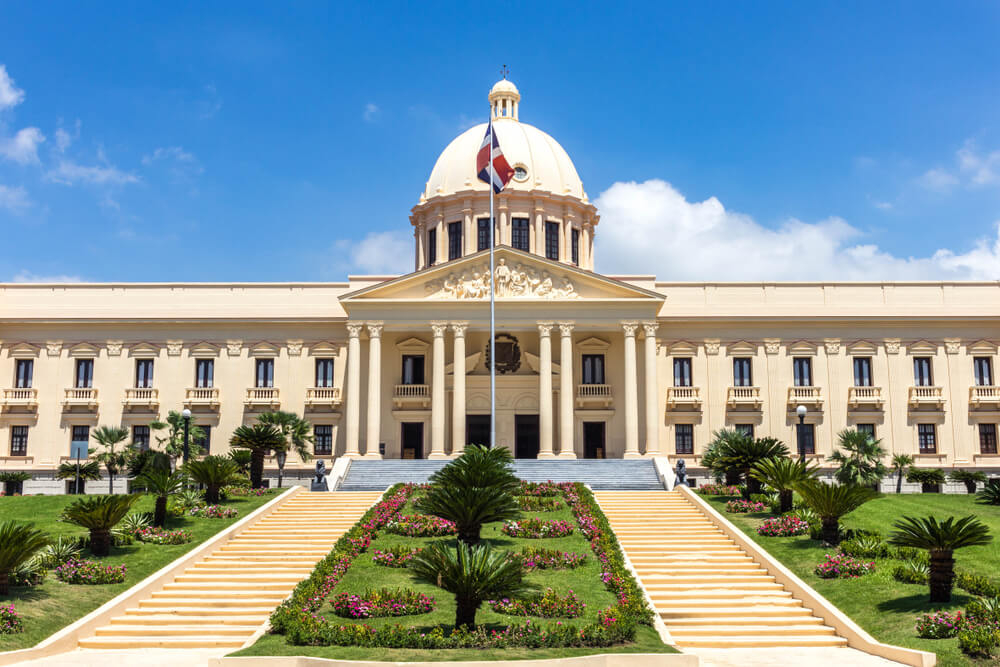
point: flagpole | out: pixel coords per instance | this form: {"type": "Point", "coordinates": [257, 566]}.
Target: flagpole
{"type": "Point", "coordinates": [493, 351]}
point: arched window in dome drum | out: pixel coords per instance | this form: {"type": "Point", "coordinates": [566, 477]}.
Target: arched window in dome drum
{"type": "Point", "coordinates": [520, 237]}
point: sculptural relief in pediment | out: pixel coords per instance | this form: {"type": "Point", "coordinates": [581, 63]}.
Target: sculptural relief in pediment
{"type": "Point", "coordinates": [519, 281]}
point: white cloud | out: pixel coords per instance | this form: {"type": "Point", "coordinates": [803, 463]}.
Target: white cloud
{"type": "Point", "coordinates": [23, 146]}
{"type": "Point", "coordinates": [882, 205]}
{"type": "Point", "coordinates": [651, 227]}
{"type": "Point", "coordinates": [169, 153]}
{"type": "Point", "coordinates": [10, 95]}
{"type": "Point", "coordinates": [14, 199]}
{"type": "Point", "coordinates": [376, 253]}
{"type": "Point", "coordinates": [370, 113]}
{"type": "Point", "coordinates": [25, 276]}
{"type": "Point", "coordinates": [939, 180]}
{"type": "Point", "coordinates": [71, 173]}
{"type": "Point", "coordinates": [982, 169]}
{"type": "Point", "coordinates": [63, 140]}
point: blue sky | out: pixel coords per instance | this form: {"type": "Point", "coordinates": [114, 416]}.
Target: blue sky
{"type": "Point", "coordinates": [186, 141]}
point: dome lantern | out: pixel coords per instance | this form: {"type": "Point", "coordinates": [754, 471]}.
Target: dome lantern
{"type": "Point", "coordinates": [504, 100]}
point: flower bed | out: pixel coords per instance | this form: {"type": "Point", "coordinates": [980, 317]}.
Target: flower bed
{"type": "Point", "coordinates": [214, 512]}
{"type": "Point", "coordinates": [383, 602]}
{"type": "Point", "coordinates": [839, 566]}
{"type": "Point", "coordinates": [539, 503]}
{"type": "Point", "coordinates": [939, 625]}
{"type": "Point", "coordinates": [420, 525]}
{"type": "Point", "coordinates": [10, 620]}
{"type": "Point", "coordinates": [394, 556]}
{"type": "Point", "coordinates": [76, 571]}
{"type": "Point", "coordinates": [540, 489]}
{"type": "Point", "coordinates": [539, 558]}
{"type": "Point", "coordinates": [783, 526]}
{"type": "Point", "coordinates": [239, 491]}
{"type": "Point", "coordinates": [745, 507]}
{"type": "Point", "coordinates": [548, 605]}
{"type": "Point", "coordinates": [718, 490]}
{"type": "Point", "coordinates": [154, 535]}
{"type": "Point", "coordinates": [537, 528]}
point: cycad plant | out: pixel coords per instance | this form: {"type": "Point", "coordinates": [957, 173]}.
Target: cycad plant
{"type": "Point", "coordinates": [900, 462]}
{"type": "Point", "coordinates": [214, 472]}
{"type": "Point", "coordinates": [968, 477]}
{"type": "Point", "coordinates": [241, 457]}
{"type": "Point", "coordinates": [473, 574]}
{"type": "Point", "coordinates": [141, 460]}
{"type": "Point", "coordinates": [990, 495]}
{"type": "Point", "coordinates": [476, 488]}
{"type": "Point", "coordinates": [738, 453]}
{"type": "Point", "coordinates": [19, 542]}
{"type": "Point", "coordinates": [99, 515]}
{"type": "Point", "coordinates": [260, 440]}
{"type": "Point", "coordinates": [89, 471]}
{"type": "Point", "coordinates": [832, 501]}
{"type": "Point", "coordinates": [860, 462]}
{"type": "Point", "coordinates": [940, 539]}
{"type": "Point", "coordinates": [162, 484]}
{"type": "Point", "coordinates": [295, 432]}
{"type": "Point", "coordinates": [113, 460]}
{"type": "Point", "coordinates": [782, 474]}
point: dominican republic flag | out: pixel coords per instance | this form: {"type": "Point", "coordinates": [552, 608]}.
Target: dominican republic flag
{"type": "Point", "coordinates": [502, 172]}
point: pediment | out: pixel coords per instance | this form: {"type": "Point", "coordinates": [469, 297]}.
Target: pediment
{"type": "Point", "coordinates": [84, 350]}
{"type": "Point", "coordinates": [862, 348]}
{"type": "Point", "coordinates": [24, 351]}
{"type": "Point", "coordinates": [520, 276]}
{"type": "Point", "coordinates": [922, 347]}
{"type": "Point", "coordinates": [324, 349]}
{"type": "Point", "coordinates": [204, 350]}
{"type": "Point", "coordinates": [412, 345]}
{"type": "Point", "coordinates": [593, 344]}
{"type": "Point", "coordinates": [143, 350]}
{"type": "Point", "coordinates": [682, 348]}
{"type": "Point", "coordinates": [982, 347]}
{"type": "Point", "coordinates": [741, 347]}
{"type": "Point", "coordinates": [264, 349]}
{"type": "Point", "coordinates": [802, 348]}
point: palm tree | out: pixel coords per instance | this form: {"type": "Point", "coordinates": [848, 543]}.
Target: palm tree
{"type": "Point", "coordinates": [89, 472]}
{"type": "Point", "coordinates": [260, 440]}
{"type": "Point", "coordinates": [472, 575]}
{"type": "Point", "coordinates": [476, 488]}
{"type": "Point", "coordinates": [110, 437]}
{"type": "Point", "coordinates": [162, 484]}
{"type": "Point", "coordinates": [831, 502]}
{"type": "Point", "coordinates": [18, 543]}
{"type": "Point", "coordinates": [968, 477]}
{"type": "Point", "coordinates": [214, 472]}
{"type": "Point", "coordinates": [782, 474]}
{"type": "Point", "coordinates": [861, 461]}
{"type": "Point", "coordinates": [296, 432]}
{"type": "Point", "coordinates": [99, 514]}
{"type": "Point", "coordinates": [173, 442]}
{"type": "Point", "coordinates": [739, 453]}
{"type": "Point", "coordinates": [900, 462]}
{"type": "Point", "coordinates": [940, 539]}
{"type": "Point", "coordinates": [241, 457]}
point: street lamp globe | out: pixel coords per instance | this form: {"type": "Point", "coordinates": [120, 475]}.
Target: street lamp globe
{"type": "Point", "coordinates": [801, 411]}
{"type": "Point", "coordinates": [186, 413]}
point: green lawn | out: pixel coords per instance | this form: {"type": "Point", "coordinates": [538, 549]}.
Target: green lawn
{"type": "Point", "coordinates": [53, 605]}
{"type": "Point", "coordinates": [884, 607]}
{"type": "Point", "coordinates": [364, 574]}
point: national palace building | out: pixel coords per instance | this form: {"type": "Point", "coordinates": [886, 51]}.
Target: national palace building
{"type": "Point", "coordinates": [588, 365]}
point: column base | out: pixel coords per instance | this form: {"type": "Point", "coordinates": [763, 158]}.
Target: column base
{"type": "Point", "coordinates": [373, 456]}
{"type": "Point", "coordinates": [437, 456]}
{"type": "Point", "coordinates": [546, 455]}
{"type": "Point", "coordinates": [632, 455]}
{"type": "Point", "coordinates": [351, 455]}
{"type": "Point", "coordinates": [652, 455]}
{"type": "Point", "coordinates": [567, 455]}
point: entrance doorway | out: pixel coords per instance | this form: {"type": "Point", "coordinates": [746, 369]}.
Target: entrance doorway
{"type": "Point", "coordinates": [593, 440]}
{"type": "Point", "coordinates": [412, 441]}
{"type": "Point", "coordinates": [526, 436]}
{"type": "Point", "coordinates": [477, 430]}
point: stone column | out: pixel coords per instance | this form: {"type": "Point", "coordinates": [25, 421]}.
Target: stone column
{"type": "Point", "coordinates": [353, 427]}
{"type": "Point", "coordinates": [458, 396]}
{"type": "Point", "coordinates": [652, 391]}
{"type": "Point", "coordinates": [437, 392]}
{"type": "Point", "coordinates": [373, 432]}
{"type": "Point", "coordinates": [566, 425]}
{"type": "Point", "coordinates": [631, 393]}
{"type": "Point", "coordinates": [545, 391]}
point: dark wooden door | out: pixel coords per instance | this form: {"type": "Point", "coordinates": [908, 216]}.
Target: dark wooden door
{"type": "Point", "coordinates": [526, 436]}
{"type": "Point", "coordinates": [593, 440]}
{"type": "Point", "coordinates": [477, 430]}
{"type": "Point", "coordinates": [412, 441]}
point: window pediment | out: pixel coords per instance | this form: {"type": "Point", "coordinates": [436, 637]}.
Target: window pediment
{"type": "Point", "coordinates": [264, 350]}
{"type": "Point", "coordinates": [413, 345]}
{"type": "Point", "coordinates": [84, 351]}
{"type": "Point", "coordinates": [802, 348]}
{"type": "Point", "coordinates": [24, 351]}
{"type": "Point", "coordinates": [741, 348]}
{"type": "Point", "coordinates": [982, 347]}
{"type": "Point", "coordinates": [682, 348]}
{"type": "Point", "coordinates": [862, 348]}
{"type": "Point", "coordinates": [204, 350]}
{"type": "Point", "coordinates": [324, 349]}
{"type": "Point", "coordinates": [593, 344]}
{"type": "Point", "coordinates": [143, 351]}
{"type": "Point", "coordinates": [922, 347]}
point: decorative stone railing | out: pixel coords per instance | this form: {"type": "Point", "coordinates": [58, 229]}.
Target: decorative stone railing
{"type": "Point", "coordinates": [804, 396]}
{"type": "Point", "coordinates": [201, 397]}
{"type": "Point", "coordinates": [857, 396]}
{"type": "Point", "coordinates": [924, 396]}
{"type": "Point", "coordinates": [683, 397]}
{"type": "Point", "coordinates": [322, 397]}
{"type": "Point", "coordinates": [80, 397]}
{"type": "Point", "coordinates": [591, 395]}
{"type": "Point", "coordinates": [141, 397]}
{"type": "Point", "coordinates": [257, 397]}
{"type": "Point", "coordinates": [984, 395]}
{"type": "Point", "coordinates": [26, 398]}
{"type": "Point", "coordinates": [744, 396]}
{"type": "Point", "coordinates": [411, 395]}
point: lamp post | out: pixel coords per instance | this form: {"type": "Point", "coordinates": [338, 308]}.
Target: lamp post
{"type": "Point", "coordinates": [280, 457]}
{"type": "Point", "coordinates": [186, 414]}
{"type": "Point", "coordinates": [801, 412]}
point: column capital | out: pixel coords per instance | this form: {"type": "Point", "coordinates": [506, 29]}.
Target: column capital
{"type": "Point", "coordinates": [630, 328]}
{"type": "Point", "coordinates": [545, 328]}
{"type": "Point", "coordinates": [374, 329]}
{"type": "Point", "coordinates": [566, 328]}
{"type": "Point", "coordinates": [459, 328]}
{"type": "Point", "coordinates": [354, 329]}
{"type": "Point", "coordinates": [649, 328]}
{"type": "Point", "coordinates": [439, 329]}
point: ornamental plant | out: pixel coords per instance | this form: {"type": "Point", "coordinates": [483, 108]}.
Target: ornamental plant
{"type": "Point", "coordinates": [539, 558]}
{"type": "Point", "coordinates": [940, 539]}
{"type": "Point", "coordinates": [939, 625]}
{"type": "Point", "coordinates": [718, 490]}
{"type": "Point", "coordinates": [839, 566]}
{"type": "Point", "coordinates": [548, 605]}
{"type": "Point", "coordinates": [89, 572]}
{"type": "Point", "coordinates": [832, 501]}
{"type": "Point", "coordinates": [537, 528]}
{"type": "Point", "coordinates": [745, 506]}
{"type": "Point", "coordinates": [783, 526]}
{"type": "Point", "coordinates": [911, 572]}
{"type": "Point", "coordinates": [154, 535]}
{"type": "Point", "coordinates": [538, 504]}
{"type": "Point", "coordinates": [381, 603]}
{"type": "Point", "coordinates": [394, 556]}
{"type": "Point", "coordinates": [782, 474]}
{"type": "Point", "coordinates": [19, 542]}
{"type": "Point", "coordinates": [980, 641]}
{"type": "Point", "coordinates": [420, 525]}
{"type": "Point", "coordinates": [214, 512]}
{"type": "Point", "coordinates": [10, 620]}
{"type": "Point", "coordinates": [99, 515]}
{"type": "Point", "coordinates": [214, 472]}
{"type": "Point", "coordinates": [540, 489]}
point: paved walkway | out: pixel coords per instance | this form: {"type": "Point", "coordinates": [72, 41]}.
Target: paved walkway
{"type": "Point", "coordinates": [788, 657]}
{"type": "Point", "coordinates": [146, 657]}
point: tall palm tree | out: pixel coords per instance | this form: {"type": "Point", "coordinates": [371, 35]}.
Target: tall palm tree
{"type": "Point", "coordinates": [782, 474]}
{"type": "Point", "coordinates": [162, 484]}
{"type": "Point", "coordinates": [940, 539]}
{"type": "Point", "coordinates": [110, 437]}
{"type": "Point", "coordinates": [88, 472]}
{"type": "Point", "coordinates": [900, 462]}
{"type": "Point", "coordinates": [214, 472]}
{"type": "Point", "coordinates": [861, 461]}
{"type": "Point", "coordinates": [18, 543]}
{"type": "Point", "coordinates": [472, 574]}
{"type": "Point", "coordinates": [172, 442]}
{"type": "Point", "coordinates": [831, 502]}
{"type": "Point", "coordinates": [296, 432]}
{"type": "Point", "coordinates": [260, 440]}
{"type": "Point", "coordinates": [99, 514]}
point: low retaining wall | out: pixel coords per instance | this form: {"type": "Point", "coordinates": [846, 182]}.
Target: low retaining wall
{"type": "Point", "coordinates": [602, 660]}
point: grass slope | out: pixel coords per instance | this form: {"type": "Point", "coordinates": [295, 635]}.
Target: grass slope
{"type": "Point", "coordinates": [53, 605]}
{"type": "Point", "coordinates": [881, 605]}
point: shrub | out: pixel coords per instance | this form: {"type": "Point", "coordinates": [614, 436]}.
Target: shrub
{"type": "Point", "coordinates": [968, 477]}
{"type": "Point", "coordinates": [782, 474]}
{"type": "Point", "coordinates": [548, 605]}
{"type": "Point", "coordinates": [539, 489]}
{"type": "Point", "coordinates": [19, 542]}
{"type": "Point", "coordinates": [214, 472]}
{"type": "Point", "coordinates": [718, 490]}
{"type": "Point", "coordinates": [865, 546]}
{"type": "Point", "coordinates": [831, 502]}
{"type": "Point", "coordinates": [984, 610]}
{"type": "Point", "coordinates": [979, 641]}
{"type": "Point", "coordinates": [420, 525]}
{"type": "Point", "coordinates": [214, 512]}
{"type": "Point", "coordinates": [394, 556]}
{"type": "Point", "coordinates": [745, 507]}
{"type": "Point", "coordinates": [783, 526]}
{"type": "Point", "coordinates": [10, 620]}
{"type": "Point", "coordinates": [29, 573]}
{"type": "Point", "coordinates": [939, 625]}
{"type": "Point", "coordinates": [537, 528]}
{"type": "Point", "coordinates": [538, 504]}
{"type": "Point", "coordinates": [154, 535]}
{"type": "Point", "coordinates": [990, 494]}
{"type": "Point", "coordinates": [909, 553]}
{"type": "Point", "coordinates": [133, 523]}
{"type": "Point", "coordinates": [928, 476]}
{"type": "Point", "coordinates": [381, 603]}
{"type": "Point", "coordinates": [912, 572]}
{"type": "Point", "coordinates": [839, 566]}
{"type": "Point", "coordinates": [90, 572]}
{"type": "Point", "coordinates": [539, 558]}
{"type": "Point", "coordinates": [60, 551]}
{"type": "Point", "coordinates": [977, 585]}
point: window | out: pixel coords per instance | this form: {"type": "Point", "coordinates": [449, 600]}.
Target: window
{"type": "Point", "coordinates": [265, 373]}
{"type": "Point", "coordinates": [927, 438]}
{"type": "Point", "coordinates": [483, 234]}
{"type": "Point", "coordinates": [745, 429]}
{"type": "Point", "coordinates": [862, 371]}
{"type": "Point", "coordinates": [204, 373]}
{"type": "Point", "coordinates": [867, 429]}
{"type": "Point", "coordinates": [575, 246]}
{"type": "Point", "coordinates": [808, 439]}
{"type": "Point", "coordinates": [741, 372]}
{"type": "Point", "coordinates": [987, 439]}
{"type": "Point", "coordinates": [19, 440]}
{"type": "Point", "coordinates": [981, 366]}
{"type": "Point", "coordinates": [25, 369]}
{"type": "Point", "coordinates": [454, 240]}
{"type": "Point", "coordinates": [324, 372]}
{"type": "Point", "coordinates": [413, 369]}
{"type": "Point", "coordinates": [802, 367]}
{"type": "Point", "coordinates": [922, 371]}
{"type": "Point", "coordinates": [205, 441]}
{"type": "Point", "coordinates": [80, 433]}
{"type": "Point", "coordinates": [552, 240]}
{"type": "Point", "coordinates": [323, 440]}
{"type": "Point", "coordinates": [140, 437]}
{"type": "Point", "coordinates": [682, 372]}
{"type": "Point", "coordinates": [143, 373]}
{"type": "Point", "coordinates": [593, 369]}
{"type": "Point", "coordinates": [84, 374]}
{"type": "Point", "coordinates": [520, 234]}
{"type": "Point", "coordinates": [432, 247]}
{"type": "Point", "coordinates": [684, 439]}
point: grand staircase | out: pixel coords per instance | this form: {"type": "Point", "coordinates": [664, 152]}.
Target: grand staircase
{"type": "Point", "coordinates": [221, 600]}
{"type": "Point", "coordinates": [637, 474]}
{"type": "Point", "coordinates": [708, 591]}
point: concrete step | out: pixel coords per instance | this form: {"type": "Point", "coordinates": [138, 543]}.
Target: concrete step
{"type": "Point", "coordinates": [177, 630]}
{"type": "Point", "coordinates": [150, 619]}
{"type": "Point", "coordinates": [162, 642]}
{"type": "Point", "coordinates": [692, 611]}
{"type": "Point", "coordinates": [760, 641]}
{"type": "Point", "coordinates": [685, 619]}
{"type": "Point", "coordinates": [237, 611]}
{"type": "Point", "coordinates": [782, 629]}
